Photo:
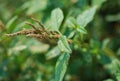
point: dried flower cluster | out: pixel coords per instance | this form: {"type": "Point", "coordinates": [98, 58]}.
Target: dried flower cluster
{"type": "Point", "coordinates": [50, 37]}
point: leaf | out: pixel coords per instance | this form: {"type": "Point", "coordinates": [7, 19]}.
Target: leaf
{"type": "Point", "coordinates": [11, 24]}
{"type": "Point", "coordinates": [108, 80]}
{"type": "Point", "coordinates": [34, 6]}
{"type": "Point", "coordinates": [53, 53]}
{"type": "Point", "coordinates": [71, 22]}
{"type": "Point", "coordinates": [61, 66]}
{"type": "Point", "coordinates": [63, 45]}
{"type": "Point", "coordinates": [57, 18]}
{"type": "Point", "coordinates": [81, 30]}
{"type": "Point", "coordinates": [98, 2]}
{"type": "Point", "coordinates": [20, 26]}
{"type": "Point", "coordinates": [87, 16]}
{"type": "Point", "coordinates": [114, 68]}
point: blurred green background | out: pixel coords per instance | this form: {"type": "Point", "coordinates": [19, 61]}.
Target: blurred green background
{"type": "Point", "coordinates": [27, 59]}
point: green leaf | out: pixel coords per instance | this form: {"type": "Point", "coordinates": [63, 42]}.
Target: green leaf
{"type": "Point", "coordinates": [114, 68]}
{"type": "Point", "coordinates": [53, 53]}
{"type": "Point", "coordinates": [34, 6]}
{"type": "Point", "coordinates": [87, 16]}
{"type": "Point", "coordinates": [11, 24]}
{"type": "Point", "coordinates": [108, 80]}
{"type": "Point", "coordinates": [98, 2]}
{"type": "Point", "coordinates": [61, 66]}
{"type": "Point", "coordinates": [63, 45]}
{"type": "Point", "coordinates": [57, 18]}
{"type": "Point", "coordinates": [71, 22]}
{"type": "Point", "coordinates": [81, 30]}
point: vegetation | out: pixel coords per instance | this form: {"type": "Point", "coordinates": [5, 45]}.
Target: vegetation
{"type": "Point", "coordinates": [59, 40]}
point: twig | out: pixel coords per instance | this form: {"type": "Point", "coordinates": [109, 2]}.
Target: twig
{"type": "Point", "coordinates": [39, 23]}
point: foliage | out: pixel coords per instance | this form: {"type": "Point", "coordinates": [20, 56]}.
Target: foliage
{"type": "Point", "coordinates": [66, 40]}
